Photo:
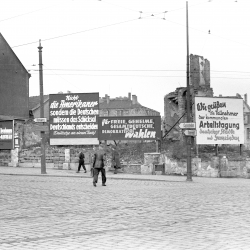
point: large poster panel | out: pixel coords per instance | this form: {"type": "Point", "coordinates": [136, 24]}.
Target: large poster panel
{"type": "Point", "coordinates": [6, 134]}
{"type": "Point", "coordinates": [219, 120]}
{"type": "Point", "coordinates": [73, 119]}
{"type": "Point", "coordinates": [130, 128]}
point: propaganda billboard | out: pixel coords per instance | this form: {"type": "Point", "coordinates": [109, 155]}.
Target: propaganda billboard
{"type": "Point", "coordinates": [219, 120]}
{"type": "Point", "coordinates": [130, 128]}
{"type": "Point", "coordinates": [73, 119]}
{"type": "Point", "coordinates": [6, 134]}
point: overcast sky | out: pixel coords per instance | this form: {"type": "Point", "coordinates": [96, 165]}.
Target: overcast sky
{"type": "Point", "coordinates": [118, 46]}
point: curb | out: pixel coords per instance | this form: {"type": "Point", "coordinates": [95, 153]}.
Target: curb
{"type": "Point", "coordinates": [73, 176]}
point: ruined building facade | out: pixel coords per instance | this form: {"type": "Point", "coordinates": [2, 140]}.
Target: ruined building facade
{"type": "Point", "coordinates": [175, 102]}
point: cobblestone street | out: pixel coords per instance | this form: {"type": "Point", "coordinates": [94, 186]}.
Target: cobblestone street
{"type": "Point", "coordinates": [69, 213]}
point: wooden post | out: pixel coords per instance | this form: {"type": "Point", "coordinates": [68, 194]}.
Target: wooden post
{"type": "Point", "coordinates": [43, 157]}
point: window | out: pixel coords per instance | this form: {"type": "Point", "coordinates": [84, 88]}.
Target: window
{"type": "Point", "coordinates": [246, 118]}
{"type": "Point", "coordinates": [105, 113]}
{"type": "Point", "coordinates": [119, 112]}
{"type": "Point", "coordinates": [248, 133]}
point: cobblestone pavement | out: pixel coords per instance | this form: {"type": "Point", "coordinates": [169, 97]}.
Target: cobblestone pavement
{"type": "Point", "coordinates": [39, 212]}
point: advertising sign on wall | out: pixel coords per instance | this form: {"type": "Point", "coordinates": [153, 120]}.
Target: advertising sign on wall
{"type": "Point", "coordinates": [219, 120]}
{"type": "Point", "coordinates": [6, 134]}
{"type": "Point", "coordinates": [130, 128]}
{"type": "Point", "coordinates": [73, 119]}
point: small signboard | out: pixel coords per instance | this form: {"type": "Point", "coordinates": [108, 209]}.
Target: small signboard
{"type": "Point", "coordinates": [40, 120]}
{"type": "Point", "coordinates": [187, 125]}
{"type": "Point", "coordinates": [190, 132]}
{"type": "Point", "coordinates": [6, 134]}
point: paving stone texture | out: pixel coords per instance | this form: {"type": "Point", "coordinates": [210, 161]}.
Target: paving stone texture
{"type": "Point", "coordinates": [47, 212]}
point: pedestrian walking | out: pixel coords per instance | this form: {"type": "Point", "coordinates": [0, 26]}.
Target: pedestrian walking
{"type": "Point", "coordinates": [98, 166]}
{"type": "Point", "coordinates": [81, 163]}
{"type": "Point", "coordinates": [115, 163]}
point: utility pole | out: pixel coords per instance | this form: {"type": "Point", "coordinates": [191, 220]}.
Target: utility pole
{"type": "Point", "coordinates": [188, 138]}
{"type": "Point", "coordinates": [43, 162]}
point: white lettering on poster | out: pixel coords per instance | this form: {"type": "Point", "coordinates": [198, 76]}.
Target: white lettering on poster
{"type": "Point", "coordinates": [74, 115]}
{"type": "Point", "coordinates": [5, 134]}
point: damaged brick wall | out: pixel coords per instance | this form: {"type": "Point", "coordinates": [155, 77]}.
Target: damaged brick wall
{"type": "Point", "coordinates": [175, 102]}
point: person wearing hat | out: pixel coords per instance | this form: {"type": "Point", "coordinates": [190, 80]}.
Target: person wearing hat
{"type": "Point", "coordinates": [98, 166]}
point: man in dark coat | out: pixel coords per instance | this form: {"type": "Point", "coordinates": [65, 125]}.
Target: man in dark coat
{"type": "Point", "coordinates": [115, 159]}
{"type": "Point", "coordinates": [98, 166]}
{"type": "Point", "coordinates": [81, 163]}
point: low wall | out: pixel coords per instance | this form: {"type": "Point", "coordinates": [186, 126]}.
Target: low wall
{"type": "Point", "coordinates": [216, 167]}
{"type": "Point", "coordinates": [65, 158]}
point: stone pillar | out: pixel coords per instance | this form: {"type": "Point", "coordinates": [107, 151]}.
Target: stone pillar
{"type": "Point", "coordinates": [150, 159]}
{"type": "Point", "coordinates": [223, 166]}
{"type": "Point", "coordinates": [196, 165]}
{"type": "Point", "coordinates": [14, 158]}
{"type": "Point", "coordinates": [66, 164]}
{"type": "Point", "coordinates": [215, 164]}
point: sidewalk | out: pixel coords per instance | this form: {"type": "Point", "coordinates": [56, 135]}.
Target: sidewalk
{"type": "Point", "coordinates": [25, 171]}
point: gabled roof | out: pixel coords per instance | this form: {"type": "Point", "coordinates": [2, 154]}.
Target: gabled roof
{"type": "Point", "coordinates": [2, 38]}
{"type": "Point", "coordinates": [34, 101]}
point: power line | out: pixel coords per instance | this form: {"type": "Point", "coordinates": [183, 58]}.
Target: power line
{"type": "Point", "coordinates": [153, 70]}
{"type": "Point", "coordinates": [64, 79]}
{"type": "Point", "coordinates": [241, 78]}
{"type": "Point", "coordinates": [78, 32]}
{"type": "Point", "coordinates": [2, 20]}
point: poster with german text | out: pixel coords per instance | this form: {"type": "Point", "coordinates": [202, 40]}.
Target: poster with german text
{"type": "Point", "coordinates": [130, 128]}
{"type": "Point", "coordinates": [73, 118]}
{"type": "Point", "coordinates": [219, 120]}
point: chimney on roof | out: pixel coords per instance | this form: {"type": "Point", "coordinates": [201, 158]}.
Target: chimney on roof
{"type": "Point", "coordinates": [107, 97]}
{"type": "Point", "coordinates": [129, 95]}
{"type": "Point", "coordinates": [134, 99]}
{"type": "Point", "coordinates": [220, 95]}
{"type": "Point", "coordinates": [245, 98]}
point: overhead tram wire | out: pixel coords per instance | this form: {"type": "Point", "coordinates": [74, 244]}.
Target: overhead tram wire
{"type": "Point", "coordinates": [63, 79]}
{"type": "Point", "coordinates": [109, 25]}
{"type": "Point", "coordinates": [149, 70]}
{"type": "Point", "coordinates": [78, 32]}
{"type": "Point", "coordinates": [8, 18]}
{"type": "Point", "coordinates": [157, 76]}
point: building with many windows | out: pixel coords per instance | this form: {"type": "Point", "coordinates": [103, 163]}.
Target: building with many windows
{"type": "Point", "coordinates": [119, 106]}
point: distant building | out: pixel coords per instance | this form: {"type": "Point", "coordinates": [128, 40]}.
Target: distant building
{"type": "Point", "coordinates": [119, 106]}
{"type": "Point", "coordinates": [14, 84]}
{"type": "Point", "coordinates": [246, 114]}
{"type": "Point", "coordinates": [124, 106]}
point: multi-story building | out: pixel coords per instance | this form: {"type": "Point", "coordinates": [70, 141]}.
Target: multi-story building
{"type": "Point", "coordinates": [119, 106]}
{"type": "Point", "coordinates": [124, 106]}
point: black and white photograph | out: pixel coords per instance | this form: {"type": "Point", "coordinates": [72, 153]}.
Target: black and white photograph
{"type": "Point", "coordinates": [124, 124]}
